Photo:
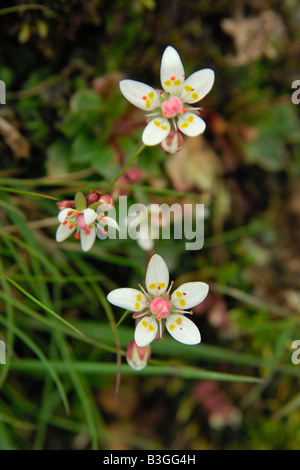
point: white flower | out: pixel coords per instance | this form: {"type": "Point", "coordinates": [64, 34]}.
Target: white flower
{"type": "Point", "coordinates": [85, 223]}
{"type": "Point", "coordinates": [157, 309]}
{"type": "Point", "coordinates": [172, 104]}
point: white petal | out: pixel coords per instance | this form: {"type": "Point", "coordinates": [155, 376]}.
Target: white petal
{"type": "Point", "coordinates": [191, 124]}
{"type": "Point", "coordinates": [110, 222]}
{"type": "Point", "coordinates": [63, 214]}
{"type": "Point", "coordinates": [189, 294]}
{"type": "Point", "coordinates": [89, 216]}
{"type": "Point", "coordinates": [127, 298]}
{"type": "Point", "coordinates": [139, 94]}
{"type": "Point", "coordinates": [145, 331]}
{"type": "Point", "coordinates": [182, 329]}
{"type": "Point", "coordinates": [145, 243]}
{"type": "Point", "coordinates": [87, 240]}
{"type": "Point", "coordinates": [63, 231]}
{"type": "Point", "coordinates": [197, 85]}
{"type": "Point", "coordinates": [171, 71]}
{"type": "Point", "coordinates": [156, 131]}
{"type": "Point", "coordinates": [157, 275]}
{"type": "Point", "coordinates": [144, 240]}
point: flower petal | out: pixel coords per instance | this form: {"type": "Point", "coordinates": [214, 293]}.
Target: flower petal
{"type": "Point", "coordinates": [87, 238]}
{"type": "Point", "coordinates": [156, 131]}
{"type": "Point", "coordinates": [127, 298]}
{"type": "Point", "coordinates": [63, 214]}
{"type": "Point", "coordinates": [139, 94]}
{"type": "Point", "coordinates": [157, 276]}
{"type": "Point", "coordinates": [191, 124]}
{"type": "Point", "coordinates": [189, 294]}
{"type": "Point", "coordinates": [110, 222]}
{"type": "Point", "coordinates": [145, 331]}
{"type": "Point", "coordinates": [63, 231]}
{"type": "Point", "coordinates": [182, 329]}
{"type": "Point", "coordinates": [197, 85]}
{"type": "Point", "coordinates": [171, 71]}
{"type": "Point", "coordinates": [144, 239]}
{"type": "Point", "coordinates": [89, 216]}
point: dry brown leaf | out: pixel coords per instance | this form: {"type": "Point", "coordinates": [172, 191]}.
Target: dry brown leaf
{"type": "Point", "coordinates": [16, 142]}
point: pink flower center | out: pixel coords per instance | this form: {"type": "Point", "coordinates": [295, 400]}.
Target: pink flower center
{"type": "Point", "coordinates": [81, 223]}
{"type": "Point", "coordinates": [160, 307]}
{"type": "Point", "coordinates": [171, 107]}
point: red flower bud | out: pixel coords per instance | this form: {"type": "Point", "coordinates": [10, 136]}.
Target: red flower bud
{"type": "Point", "coordinates": [138, 357]}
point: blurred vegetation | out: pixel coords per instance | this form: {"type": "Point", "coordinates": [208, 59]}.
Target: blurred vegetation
{"type": "Point", "coordinates": [66, 127]}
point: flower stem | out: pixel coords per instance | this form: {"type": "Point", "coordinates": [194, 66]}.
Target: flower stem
{"type": "Point", "coordinates": [116, 177]}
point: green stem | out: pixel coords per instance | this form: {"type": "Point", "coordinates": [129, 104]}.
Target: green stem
{"type": "Point", "coordinates": [22, 8]}
{"type": "Point", "coordinates": [122, 171]}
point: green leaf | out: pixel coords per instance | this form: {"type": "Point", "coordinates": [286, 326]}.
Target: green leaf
{"type": "Point", "coordinates": [85, 149]}
{"type": "Point", "coordinates": [57, 158]}
{"type": "Point", "coordinates": [85, 102]}
{"type": "Point", "coordinates": [80, 201]}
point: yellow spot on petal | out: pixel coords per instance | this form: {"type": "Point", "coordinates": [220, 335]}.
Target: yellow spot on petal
{"type": "Point", "coordinates": [152, 286]}
{"type": "Point", "coordinates": [157, 123]}
{"type": "Point", "coordinates": [162, 285]}
{"type": "Point", "coordinates": [190, 118]}
{"type": "Point", "coordinates": [151, 95]}
{"type": "Point", "coordinates": [172, 327]}
{"type": "Point", "coordinates": [151, 328]}
{"type": "Point", "coordinates": [178, 294]}
{"type": "Point", "coordinates": [195, 96]}
{"type": "Point", "coordinates": [177, 82]}
{"type": "Point", "coordinates": [164, 128]}
{"type": "Point", "coordinates": [168, 83]}
{"type": "Point", "coordinates": [188, 88]}
{"type": "Point", "coordinates": [182, 303]}
{"type": "Point", "coordinates": [184, 125]}
{"type": "Point", "coordinates": [148, 104]}
{"type": "Point", "coordinates": [137, 306]}
{"type": "Point", "coordinates": [144, 323]}
{"type": "Point", "coordinates": [139, 297]}
{"type": "Point", "coordinates": [179, 321]}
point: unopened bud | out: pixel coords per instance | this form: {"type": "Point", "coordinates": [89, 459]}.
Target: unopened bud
{"type": "Point", "coordinates": [173, 142]}
{"type": "Point", "coordinates": [93, 197]}
{"type": "Point", "coordinates": [138, 357]}
{"type": "Point", "coordinates": [65, 205]}
{"type": "Point", "coordinates": [106, 199]}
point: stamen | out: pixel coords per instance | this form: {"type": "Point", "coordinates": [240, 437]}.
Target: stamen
{"type": "Point", "coordinates": [65, 222]}
{"type": "Point", "coordinates": [176, 310]}
{"type": "Point", "coordinates": [152, 114]}
{"type": "Point", "coordinates": [170, 287]}
{"type": "Point", "coordinates": [142, 314]}
{"type": "Point", "coordinates": [143, 290]}
{"type": "Point", "coordinates": [77, 236]}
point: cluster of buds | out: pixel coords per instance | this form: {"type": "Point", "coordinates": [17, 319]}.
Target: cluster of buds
{"type": "Point", "coordinates": [84, 216]}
